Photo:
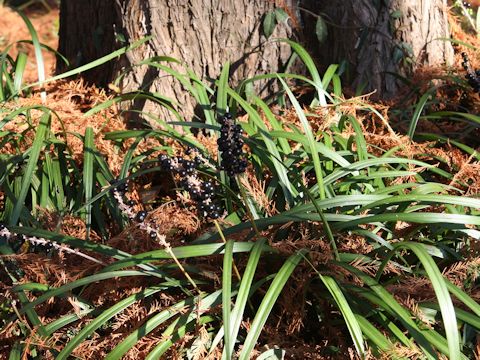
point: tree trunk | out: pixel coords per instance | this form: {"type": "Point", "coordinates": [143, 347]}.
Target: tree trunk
{"type": "Point", "coordinates": [378, 39]}
{"type": "Point", "coordinates": [203, 34]}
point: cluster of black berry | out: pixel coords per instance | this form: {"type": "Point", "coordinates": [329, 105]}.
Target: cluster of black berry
{"type": "Point", "coordinates": [230, 144]}
{"type": "Point", "coordinates": [36, 248]}
{"type": "Point", "coordinates": [202, 192]}
{"type": "Point", "coordinates": [140, 216]}
{"type": "Point", "coordinates": [473, 76]}
{"type": "Point", "coordinates": [17, 242]}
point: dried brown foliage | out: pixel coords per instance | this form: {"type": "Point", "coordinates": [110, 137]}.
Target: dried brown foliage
{"type": "Point", "coordinates": [171, 219]}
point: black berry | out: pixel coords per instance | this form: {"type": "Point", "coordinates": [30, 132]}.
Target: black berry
{"type": "Point", "coordinates": [141, 215]}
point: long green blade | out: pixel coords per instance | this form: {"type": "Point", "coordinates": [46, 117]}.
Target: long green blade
{"type": "Point", "coordinates": [268, 301]}
{"type": "Point", "coordinates": [226, 295]}
{"type": "Point", "coordinates": [38, 55]}
{"type": "Point", "coordinates": [103, 318]}
{"type": "Point", "coordinates": [35, 150]}
{"type": "Point", "coordinates": [352, 324]}
{"type": "Point", "coordinates": [443, 297]}
{"type": "Point", "coordinates": [311, 139]}
{"type": "Point", "coordinates": [88, 181]}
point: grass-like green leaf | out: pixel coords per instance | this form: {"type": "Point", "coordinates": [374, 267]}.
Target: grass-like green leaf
{"type": "Point", "coordinates": [35, 150]}
{"type": "Point", "coordinates": [226, 295]}
{"type": "Point", "coordinates": [64, 321]}
{"type": "Point", "coordinates": [443, 297]}
{"type": "Point", "coordinates": [92, 64]}
{"type": "Point", "coordinates": [312, 69]}
{"type": "Point", "coordinates": [311, 139]}
{"type": "Point", "coordinates": [222, 102]}
{"type": "Point", "coordinates": [103, 318]}
{"type": "Point", "coordinates": [373, 334]}
{"type": "Point", "coordinates": [136, 95]}
{"type": "Point", "coordinates": [150, 325]}
{"type": "Point", "coordinates": [347, 313]}
{"type": "Point", "coordinates": [268, 301]}
{"type": "Point", "coordinates": [418, 111]}
{"type": "Point", "coordinates": [427, 339]}
{"type": "Point", "coordinates": [20, 65]}
{"type": "Point", "coordinates": [75, 284]}
{"type": "Point", "coordinates": [243, 292]}
{"type": "Point", "coordinates": [463, 297]}
{"type": "Point", "coordinates": [38, 55]}
{"type": "Point", "coordinates": [179, 327]}
{"type": "Point", "coordinates": [16, 352]}
{"type": "Point", "coordinates": [88, 180]}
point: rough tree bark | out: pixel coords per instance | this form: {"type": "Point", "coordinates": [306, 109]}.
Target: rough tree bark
{"type": "Point", "coordinates": [378, 38]}
{"type": "Point", "coordinates": [375, 37]}
{"type": "Point", "coordinates": [202, 33]}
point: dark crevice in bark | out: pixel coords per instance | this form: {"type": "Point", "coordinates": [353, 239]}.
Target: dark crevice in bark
{"type": "Point", "coordinates": [86, 34]}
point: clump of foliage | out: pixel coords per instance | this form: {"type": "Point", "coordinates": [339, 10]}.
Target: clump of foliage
{"type": "Point", "coordinates": [315, 227]}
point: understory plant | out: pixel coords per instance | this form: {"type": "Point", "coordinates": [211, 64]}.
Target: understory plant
{"type": "Point", "coordinates": [258, 231]}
